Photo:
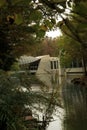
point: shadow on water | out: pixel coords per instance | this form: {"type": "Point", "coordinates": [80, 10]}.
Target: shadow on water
{"type": "Point", "coordinates": [75, 104]}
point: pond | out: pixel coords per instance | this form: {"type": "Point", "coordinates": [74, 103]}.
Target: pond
{"type": "Point", "coordinates": [75, 108]}
{"type": "Point", "coordinates": [70, 110]}
{"type": "Point", "coordinates": [58, 119]}
{"type": "Point", "coordinates": [52, 111]}
{"type": "Point", "coordinates": [75, 105]}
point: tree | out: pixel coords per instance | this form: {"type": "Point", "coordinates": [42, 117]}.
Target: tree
{"type": "Point", "coordinates": [17, 100]}
{"type": "Point", "coordinates": [70, 50]}
{"type": "Point", "coordinates": [14, 100]}
{"type": "Point", "coordinates": [75, 26]}
{"type": "Point", "coordinates": [47, 46]}
{"type": "Point", "coordinates": [21, 22]}
{"type": "Point", "coordinates": [25, 22]}
{"type": "Point", "coordinates": [6, 56]}
{"type": "Point", "coordinates": [14, 29]}
{"type": "Point", "coordinates": [73, 21]}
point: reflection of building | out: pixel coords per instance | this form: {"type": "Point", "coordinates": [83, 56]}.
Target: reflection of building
{"type": "Point", "coordinates": [45, 67]}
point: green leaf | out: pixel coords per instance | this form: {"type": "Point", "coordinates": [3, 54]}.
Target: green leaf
{"type": "Point", "coordinates": [35, 15]}
{"type": "Point", "coordinates": [2, 2]}
{"type": "Point", "coordinates": [40, 33]}
{"type": "Point", "coordinates": [18, 19]}
{"type": "Point", "coordinates": [48, 23]}
{"type": "Point", "coordinates": [81, 8]}
{"type": "Point", "coordinates": [16, 1]}
{"type": "Point", "coordinates": [53, 21]}
{"type": "Point", "coordinates": [20, 1]}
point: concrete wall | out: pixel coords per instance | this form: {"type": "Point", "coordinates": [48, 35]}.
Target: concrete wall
{"type": "Point", "coordinates": [44, 72]}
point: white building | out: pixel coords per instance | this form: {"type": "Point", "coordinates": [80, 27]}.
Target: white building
{"type": "Point", "coordinates": [48, 69]}
{"type": "Point", "coordinates": [45, 67]}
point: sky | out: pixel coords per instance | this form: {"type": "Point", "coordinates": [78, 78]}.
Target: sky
{"type": "Point", "coordinates": [54, 34]}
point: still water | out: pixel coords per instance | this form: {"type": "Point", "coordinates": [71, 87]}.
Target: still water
{"type": "Point", "coordinates": [53, 109]}
{"type": "Point", "coordinates": [75, 105]}
{"type": "Point", "coordinates": [75, 109]}
{"type": "Point", "coordinates": [58, 118]}
{"type": "Point", "coordinates": [67, 106]}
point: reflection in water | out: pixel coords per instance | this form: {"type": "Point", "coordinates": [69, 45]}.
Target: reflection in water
{"type": "Point", "coordinates": [48, 109]}
{"type": "Point", "coordinates": [58, 118]}
{"type": "Point", "coordinates": [75, 106]}
{"type": "Point", "coordinates": [75, 103]}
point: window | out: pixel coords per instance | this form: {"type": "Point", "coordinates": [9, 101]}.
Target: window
{"type": "Point", "coordinates": [34, 65]}
{"type": "Point", "coordinates": [55, 65]}
{"type": "Point", "coordinates": [51, 64]}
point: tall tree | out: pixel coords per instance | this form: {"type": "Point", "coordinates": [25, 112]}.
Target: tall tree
{"type": "Point", "coordinates": [69, 50]}
{"type": "Point", "coordinates": [21, 21]}
{"type": "Point", "coordinates": [24, 22]}
{"type": "Point", "coordinates": [75, 26]}
{"type": "Point", "coordinates": [73, 21]}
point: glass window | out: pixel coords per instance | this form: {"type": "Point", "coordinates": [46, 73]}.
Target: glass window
{"type": "Point", "coordinates": [34, 65]}
{"type": "Point", "coordinates": [51, 64]}
{"type": "Point", "coordinates": [54, 64]}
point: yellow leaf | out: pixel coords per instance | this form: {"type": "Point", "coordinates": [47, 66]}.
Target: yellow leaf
{"type": "Point", "coordinates": [10, 16]}
{"type": "Point", "coordinates": [44, 27]}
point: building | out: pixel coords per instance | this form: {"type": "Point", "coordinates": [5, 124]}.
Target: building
{"type": "Point", "coordinates": [46, 68]}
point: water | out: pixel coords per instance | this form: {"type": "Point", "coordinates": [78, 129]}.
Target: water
{"type": "Point", "coordinates": [75, 104]}
{"type": "Point", "coordinates": [52, 109]}
{"type": "Point", "coordinates": [58, 118]}
{"type": "Point", "coordinates": [73, 115]}
{"type": "Point", "coordinates": [56, 125]}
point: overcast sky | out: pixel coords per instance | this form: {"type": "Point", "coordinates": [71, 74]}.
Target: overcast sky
{"type": "Point", "coordinates": [54, 34]}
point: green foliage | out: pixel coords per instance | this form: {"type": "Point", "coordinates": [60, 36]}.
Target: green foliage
{"type": "Point", "coordinates": [15, 67]}
{"type": "Point", "coordinates": [6, 56]}
{"type": "Point", "coordinates": [17, 98]}
{"type": "Point", "coordinates": [2, 2]}
{"type": "Point", "coordinates": [74, 25]}
{"type": "Point", "coordinates": [10, 104]}
{"type": "Point", "coordinates": [14, 98]}
{"type": "Point", "coordinates": [18, 19]}
{"type": "Point", "coordinates": [24, 22]}
{"type": "Point", "coordinates": [14, 19]}
{"type": "Point", "coordinates": [35, 15]}
{"type": "Point", "coordinates": [69, 50]}
{"type": "Point", "coordinates": [47, 46]}
{"type": "Point", "coordinates": [81, 8]}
